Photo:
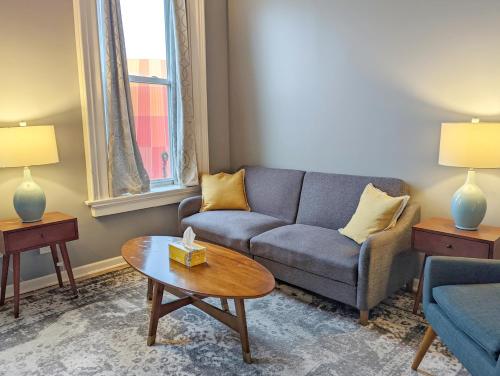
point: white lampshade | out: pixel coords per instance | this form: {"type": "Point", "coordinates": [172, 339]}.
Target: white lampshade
{"type": "Point", "coordinates": [472, 145]}
{"type": "Point", "coordinates": [28, 146]}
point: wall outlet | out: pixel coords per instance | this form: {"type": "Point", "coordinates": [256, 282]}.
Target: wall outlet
{"type": "Point", "coordinates": [44, 250]}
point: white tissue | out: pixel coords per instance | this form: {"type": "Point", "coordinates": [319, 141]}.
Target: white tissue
{"type": "Point", "coordinates": [188, 237]}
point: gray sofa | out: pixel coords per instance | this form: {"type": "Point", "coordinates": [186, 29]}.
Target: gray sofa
{"type": "Point", "coordinates": [292, 230]}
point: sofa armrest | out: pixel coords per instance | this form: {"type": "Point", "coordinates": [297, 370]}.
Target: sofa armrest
{"type": "Point", "coordinates": [442, 271]}
{"type": "Point", "coordinates": [188, 207]}
{"type": "Point", "coordinates": [376, 277]}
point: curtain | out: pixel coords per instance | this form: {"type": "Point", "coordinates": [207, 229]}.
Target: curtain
{"type": "Point", "coordinates": [126, 172]}
{"type": "Point", "coordinates": [181, 105]}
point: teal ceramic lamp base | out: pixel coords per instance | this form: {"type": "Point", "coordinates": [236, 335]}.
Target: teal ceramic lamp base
{"type": "Point", "coordinates": [29, 199]}
{"type": "Point", "coordinates": [468, 205]}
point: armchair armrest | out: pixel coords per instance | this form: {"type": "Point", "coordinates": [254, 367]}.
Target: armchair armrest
{"type": "Point", "coordinates": [441, 271]}
{"type": "Point", "coordinates": [377, 273]}
{"type": "Point", "coordinates": [188, 207]}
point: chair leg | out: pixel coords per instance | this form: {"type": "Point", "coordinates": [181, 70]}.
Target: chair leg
{"type": "Point", "coordinates": [363, 317]}
{"type": "Point", "coordinates": [429, 336]}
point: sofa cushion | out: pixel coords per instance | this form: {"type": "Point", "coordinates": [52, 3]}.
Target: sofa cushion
{"type": "Point", "coordinates": [376, 211]}
{"type": "Point", "coordinates": [230, 228]}
{"type": "Point", "coordinates": [274, 192]}
{"type": "Point", "coordinates": [474, 309]}
{"type": "Point", "coordinates": [224, 191]}
{"type": "Point", "coordinates": [316, 250]}
{"type": "Point", "coordinates": [330, 200]}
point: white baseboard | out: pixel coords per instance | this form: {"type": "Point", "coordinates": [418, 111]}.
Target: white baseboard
{"type": "Point", "coordinates": [79, 272]}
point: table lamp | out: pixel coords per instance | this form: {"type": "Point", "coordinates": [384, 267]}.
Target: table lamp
{"type": "Point", "coordinates": [23, 147]}
{"type": "Point", "coordinates": [472, 145]}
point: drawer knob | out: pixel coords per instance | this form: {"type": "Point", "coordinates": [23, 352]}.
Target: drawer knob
{"type": "Point", "coordinates": [449, 246]}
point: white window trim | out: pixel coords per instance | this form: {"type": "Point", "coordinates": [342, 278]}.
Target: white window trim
{"type": "Point", "coordinates": [91, 93]}
{"type": "Point", "coordinates": [122, 204]}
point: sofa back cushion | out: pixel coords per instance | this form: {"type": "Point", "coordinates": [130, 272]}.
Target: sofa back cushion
{"type": "Point", "coordinates": [330, 200]}
{"type": "Point", "coordinates": [274, 192]}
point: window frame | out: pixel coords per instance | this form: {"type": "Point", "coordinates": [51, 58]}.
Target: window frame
{"type": "Point", "coordinates": [91, 92]}
{"type": "Point", "coordinates": [158, 184]}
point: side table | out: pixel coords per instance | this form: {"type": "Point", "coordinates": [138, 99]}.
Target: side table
{"type": "Point", "coordinates": [16, 237]}
{"type": "Point", "coordinates": [440, 237]}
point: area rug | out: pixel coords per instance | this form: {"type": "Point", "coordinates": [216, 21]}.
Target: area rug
{"type": "Point", "coordinates": [292, 332]}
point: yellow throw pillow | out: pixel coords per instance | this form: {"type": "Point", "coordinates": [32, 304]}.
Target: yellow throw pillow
{"type": "Point", "coordinates": [224, 192]}
{"type": "Point", "coordinates": [377, 211]}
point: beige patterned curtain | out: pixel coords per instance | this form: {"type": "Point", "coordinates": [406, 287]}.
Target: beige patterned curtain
{"type": "Point", "coordinates": [181, 106]}
{"type": "Point", "coordinates": [126, 172]}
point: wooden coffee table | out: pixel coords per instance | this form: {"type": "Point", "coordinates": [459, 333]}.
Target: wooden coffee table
{"type": "Point", "coordinates": [226, 275]}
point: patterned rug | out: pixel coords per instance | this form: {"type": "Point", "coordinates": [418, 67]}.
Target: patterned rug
{"type": "Point", "coordinates": [292, 332]}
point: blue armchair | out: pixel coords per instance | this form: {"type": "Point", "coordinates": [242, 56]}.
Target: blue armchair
{"type": "Point", "coordinates": [462, 306]}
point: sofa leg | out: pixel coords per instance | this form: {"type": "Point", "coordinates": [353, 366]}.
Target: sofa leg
{"type": "Point", "coordinates": [429, 336]}
{"type": "Point", "coordinates": [363, 317]}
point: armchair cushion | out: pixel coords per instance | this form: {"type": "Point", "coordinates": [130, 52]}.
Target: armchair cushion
{"type": "Point", "coordinates": [443, 271]}
{"type": "Point", "coordinates": [474, 309]}
{"type": "Point", "coordinates": [316, 250]}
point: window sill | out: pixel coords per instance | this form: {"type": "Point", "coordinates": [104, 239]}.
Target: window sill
{"type": "Point", "coordinates": [169, 195]}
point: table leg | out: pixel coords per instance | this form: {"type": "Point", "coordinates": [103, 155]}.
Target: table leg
{"type": "Point", "coordinates": [155, 312]}
{"type": "Point", "coordinates": [17, 279]}
{"type": "Point", "coordinates": [67, 266]}
{"type": "Point", "coordinates": [150, 289]}
{"type": "Point", "coordinates": [418, 295]}
{"type": "Point", "coordinates": [242, 323]}
{"type": "Point", "coordinates": [53, 250]}
{"type": "Point", "coordinates": [224, 304]}
{"type": "Point", "coordinates": [5, 273]}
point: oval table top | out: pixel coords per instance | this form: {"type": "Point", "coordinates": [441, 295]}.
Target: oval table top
{"type": "Point", "coordinates": [226, 274]}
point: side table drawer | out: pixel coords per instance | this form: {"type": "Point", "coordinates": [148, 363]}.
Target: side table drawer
{"type": "Point", "coordinates": [37, 237]}
{"type": "Point", "coordinates": [443, 245]}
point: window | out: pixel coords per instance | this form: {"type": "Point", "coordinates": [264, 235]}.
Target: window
{"type": "Point", "coordinates": [147, 42]}
{"type": "Point", "coordinates": [146, 38]}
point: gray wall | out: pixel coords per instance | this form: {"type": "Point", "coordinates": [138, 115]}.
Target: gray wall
{"type": "Point", "coordinates": [217, 83]}
{"type": "Point", "coordinates": [361, 87]}
{"type": "Point", "coordinates": [39, 83]}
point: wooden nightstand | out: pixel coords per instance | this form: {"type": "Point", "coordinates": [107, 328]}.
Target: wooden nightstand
{"type": "Point", "coordinates": [16, 237]}
{"type": "Point", "coordinates": [440, 237]}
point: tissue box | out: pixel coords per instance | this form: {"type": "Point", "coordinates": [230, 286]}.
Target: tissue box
{"type": "Point", "coordinates": [187, 256]}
